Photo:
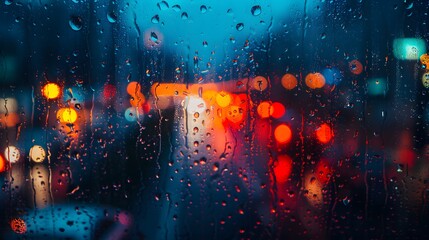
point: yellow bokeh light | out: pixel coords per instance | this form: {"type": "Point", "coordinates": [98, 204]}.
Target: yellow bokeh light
{"type": "Point", "coordinates": [51, 91]}
{"type": "Point", "coordinates": [223, 99]}
{"type": "Point", "coordinates": [67, 115]}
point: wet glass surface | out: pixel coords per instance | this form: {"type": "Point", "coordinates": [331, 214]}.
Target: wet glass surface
{"type": "Point", "coordinates": [277, 119]}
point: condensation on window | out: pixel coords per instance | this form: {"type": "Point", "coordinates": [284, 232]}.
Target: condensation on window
{"type": "Point", "coordinates": [298, 119]}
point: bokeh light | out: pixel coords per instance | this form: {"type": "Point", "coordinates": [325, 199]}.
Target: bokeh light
{"type": "Point", "coordinates": [131, 114]}
{"type": "Point", "coordinates": [289, 81]}
{"type": "Point", "coordinates": [283, 134]}
{"type": "Point", "coordinates": [424, 60]}
{"type": "Point", "coordinates": [51, 91]}
{"type": "Point", "coordinates": [324, 133]}
{"type": "Point", "coordinates": [67, 115]}
{"type": "Point", "coordinates": [377, 86]}
{"type": "Point", "coordinates": [315, 80]}
{"type": "Point", "coordinates": [223, 99]}
{"type": "Point", "coordinates": [259, 83]}
{"type": "Point", "coordinates": [283, 168]}
{"type": "Point", "coordinates": [425, 79]}
{"type": "Point", "coordinates": [133, 88]}
{"type": "Point", "coordinates": [408, 48]}
{"type": "Point", "coordinates": [37, 153]}
{"type": "Point", "coordinates": [109, 91]}
{"type": "Point", "coordinates": [332, 75]}
{"type": "Point", "coordinates": [277, 110]}
{"type": "Point", "coordinates": [265, 110]}
{"type": "Point", "coordinates": [18, 225]}
{"type": "Point", "coordinates": [137, 100]}
{"type": "Point", "coordinates": [8, 105]}
{"type": "Point", "coordinates": [2, 164]}
{"type": "Point", "coordinates": [235, 114]}
{"type": "Point", "coordinates": [356, 67]}
{"type": "Point", "coordinates": [12, 154]}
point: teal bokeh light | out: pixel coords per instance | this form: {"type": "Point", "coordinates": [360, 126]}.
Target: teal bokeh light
{"type": "Point", "coordinates": [408, 48]}
{"type": "Point", "coordinates": [377, 86]}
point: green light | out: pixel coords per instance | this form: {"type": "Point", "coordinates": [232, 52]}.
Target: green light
{"type": "Point", "coordinates": [408, 48]}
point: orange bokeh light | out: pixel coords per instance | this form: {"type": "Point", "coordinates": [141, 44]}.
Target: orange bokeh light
{"type": "Point", "coordinates": [289, 81]}
{"type": "Point", "coordinates": [18, 225]}
{"type": "Point", "coordinates": [278, 110]}
{"type": "Point", "coordinates": [133, 88]}
{"type": "Point", "coordinates": [324, 133]}
{"type": "Point", "coordinates": [2, 164]}
{"type": "Point", "coordinates": [283, 168]}
{"type": "Point", "coordinates": [137, 100]}
{"type": "Point", "coordinates": [315, 80]}
{"type": "Point", "coordinates": [283, 134]}
{"type": "Point", "coordinates": [223, 99]}
{"type": "Point", "coordinates": [265, 110]}
{"type": "Point", "coordinates": [356, 67]}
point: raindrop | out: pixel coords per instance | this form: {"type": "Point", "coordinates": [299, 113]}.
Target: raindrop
{"type": "Point", "coordinates": [163, 5]}
{"type": "Point", "coordinates": [184, 15]}
{"type": "Point", "coordinates": [205, 44]}
{"type": "Point", "coordinates": [239, 26]}
{"type": "Point", "coordinates": [203, 9]}
{"type": "Point", "coordinates": [256, 10]}
{"type": "Point", "coordinates": [154, 37]}
{"type": "Point", "coordinates": [76, 23]}
{"type": "Point", "coordinates": [176, 8]}
{"type": "Point", "coordinates": [410, 5]}
{"type": "Point", "coordinates": [8, 2]}
{"type": "Point", "coordinates": [323, 36]}
{"type": "Point", "coordinates": [155, 19]}
{"type": "Point", "coordinates": [346, 201]}
{"type": "Point", "coordinates": [111, 17]}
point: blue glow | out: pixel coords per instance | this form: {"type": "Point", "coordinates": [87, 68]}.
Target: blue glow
{"type": "Point", "coordinates": [332, 75]}
{"type": "Point", "coordinates": [408, 48]}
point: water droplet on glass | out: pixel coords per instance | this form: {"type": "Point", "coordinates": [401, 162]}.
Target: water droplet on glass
{"type": "Point", "coordinates": [163, 5]}
{"type": "Point", "coordinates": [239, 26]}
{"type": "Point", "coordinates": [203, 9]}
{"type": "Point", "coordinates": [155, 19]}
{"type": "Point", "coordinates": [323, 36]}
{"type": "Point", "coordinates": [111, 17]}
{"type": "Point", "coordinates": [410, 5]}
{"type": "Point", "coordinates": [184, 15]}
{"type": "Point", "coordinates": [205, 44]}
{"type": "Point", "coordinates": [8, 2]}
{"type": "Point", "coordinates": [154, 37]}
{"type": "Point", "coordinates": [76, 23]}
{"type": "Point", "coordinates": [256, 10]}
{"type": "Point", "coordinates": [346, 201]}
{"type": "Point", "coordinates": [176, 8]}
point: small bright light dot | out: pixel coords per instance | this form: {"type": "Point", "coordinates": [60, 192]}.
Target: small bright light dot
{"type": "Point", "coordinates": [51, 91]}
{"type": "Point", "coordinates": [37, 153]}
{"type": "Point", "coordinates": [12, 154]}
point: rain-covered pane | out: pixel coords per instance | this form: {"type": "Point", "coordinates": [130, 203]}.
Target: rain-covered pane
{"type": "Point", "coordinates": [277, 119]}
